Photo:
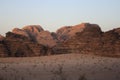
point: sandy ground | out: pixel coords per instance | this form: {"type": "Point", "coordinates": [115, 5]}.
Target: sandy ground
{"type": "Point", "coordinates": [60, 67]}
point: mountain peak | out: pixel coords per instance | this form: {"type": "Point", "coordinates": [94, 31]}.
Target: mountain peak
{"type": "Point", "coordinates": [33, 28]}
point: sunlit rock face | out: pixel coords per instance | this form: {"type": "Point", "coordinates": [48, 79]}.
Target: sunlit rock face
{"type": "Point", "coordinates": [81, 38]}
{"type": "Point", "coordinates": [88, 38]}
{"type": "Point", "coordinates": [37, 34]}
{"type": "Point", "coordinates": [67, 32]}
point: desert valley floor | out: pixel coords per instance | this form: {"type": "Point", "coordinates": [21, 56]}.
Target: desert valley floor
{"type": "Point", "coordinates": [60, 67]}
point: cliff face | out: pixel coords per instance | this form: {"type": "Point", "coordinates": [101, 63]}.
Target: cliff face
{"type": "Point", "coordinates": [83, 38]}
{"type": "Point", "coordinates": [111, 42]}
{"type": "Point", "coordinates": [46, 38]}
{"type": "Point", "coordinates": [67, 32]}
{"type": "Point", "coordinates": [15, 45]}
{"type": "Point", "coordinates": [37, 34]}
{"type": "Point", "coordinates": [3, 50]}
{"type": "Point", "coordinates": [91, 40]}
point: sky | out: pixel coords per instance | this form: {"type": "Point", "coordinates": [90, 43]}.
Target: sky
{"type": "Point", "coordinates": [53, 14]}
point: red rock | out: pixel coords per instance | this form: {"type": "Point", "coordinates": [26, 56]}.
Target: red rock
{"type": "Point", "coordinates": [46, 38]}
{"type": "Point", "coordinates": [66, 33]}
{"type": "Point", "coordinates": [1, 37]}
{"type": "Point", "coordinates": [91, 40]}
{"type": "Point", "coordinates": [37, 34]}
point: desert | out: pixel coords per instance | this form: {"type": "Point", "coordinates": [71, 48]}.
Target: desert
{"type": "Point", "coordinates": [80, 52]}
{"type": "Point", "coordinates": [60, 67]}
{"type": "Point", "coordinates": [59, 39]}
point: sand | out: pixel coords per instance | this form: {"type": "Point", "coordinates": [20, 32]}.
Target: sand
{"type": "Point", "coordinates": [60, 67]}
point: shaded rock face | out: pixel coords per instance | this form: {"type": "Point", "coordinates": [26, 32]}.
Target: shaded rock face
{"type": "Point", "coordinates": [37, 34]}
{"type": "Point", "coordinates": [3, 50]}
{"type": "Point", "coordinates": [91, 40]}
{"type": "Point", "coordinates": [1, 37]}
{"type": "Point", "coordinates": [111, 42]}
{"type": "Point", "coordinates": [15, 45]}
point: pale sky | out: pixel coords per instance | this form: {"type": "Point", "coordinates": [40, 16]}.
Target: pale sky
{"type": "Point", "coordinates": [53, 14]}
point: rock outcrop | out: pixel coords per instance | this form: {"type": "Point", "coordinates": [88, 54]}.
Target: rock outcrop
{"type": "Point", "coordinates": [111, 42]}
{"type": "Point", "coordinates": [20, 32]}
{"type": "Point", "coordinates": [46, 38]}
{"type": "Point", "coordinates": [37, 34]}
{"type": "Point", "coordinates": [84, 38]}
{"type": "Point", "coordinates": [33, 31]}
{"type": "Point", "coordinates": [15, 45]}
{"type": "Point", "coordinates": [67, 32]}
{"type": "Point", "coordinates": [90, 39]}
{"type": "Point", "coordinates": [3, 50]}
{"type": "Point", "coordinates": [1, 37]}
{"type": "Point", "coordinates": [63, 33]}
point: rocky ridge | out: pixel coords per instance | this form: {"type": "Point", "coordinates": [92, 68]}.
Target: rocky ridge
{"type": "Point", "coordinates": [91, 40]}
{"type": "Point", "coordinates": [15, 45]}
{"type": "Point", "coordinates": [37, 34]}
{"type": "Point", "coordinates": [86, 38]}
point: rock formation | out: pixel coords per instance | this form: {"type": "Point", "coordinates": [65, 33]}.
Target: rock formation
{"type": "Point", "coordinates": [84, 38]}
{"type": "Point", "coordinates": [67, 32]}
{"type": "Point", "coordinates": [63, 33]}
{"type": "Point", "coordinates": [90, 39]}
{"type": "Point", "coordinates": [46, 38]}
{"type": "Point", "coordinates": [111, 42]}
{"type": "Point", "coordinates": [20, 32]}
{"type": "Point", "coordinates": [15, 45]}
{"type": "Point", "coordinates": [1, 37]}
{"type": "Point", "coordinates": [37, 34]}
{"type": "Point", "coordinates": [3, 50]}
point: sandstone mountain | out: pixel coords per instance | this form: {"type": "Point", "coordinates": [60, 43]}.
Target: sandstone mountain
{"type": "Point", "coordinates": [90, 39]}
{"type": "Point", "coordinates": [1, 37]}
{"type": "Point", "coordinates": [33, 40]}
{"type": "Point", "coordinates": [37, 34]}
{"type": "Point", "coordinates": [15, 45]}
{"type": "Point", "coordinates": [67, 32]}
